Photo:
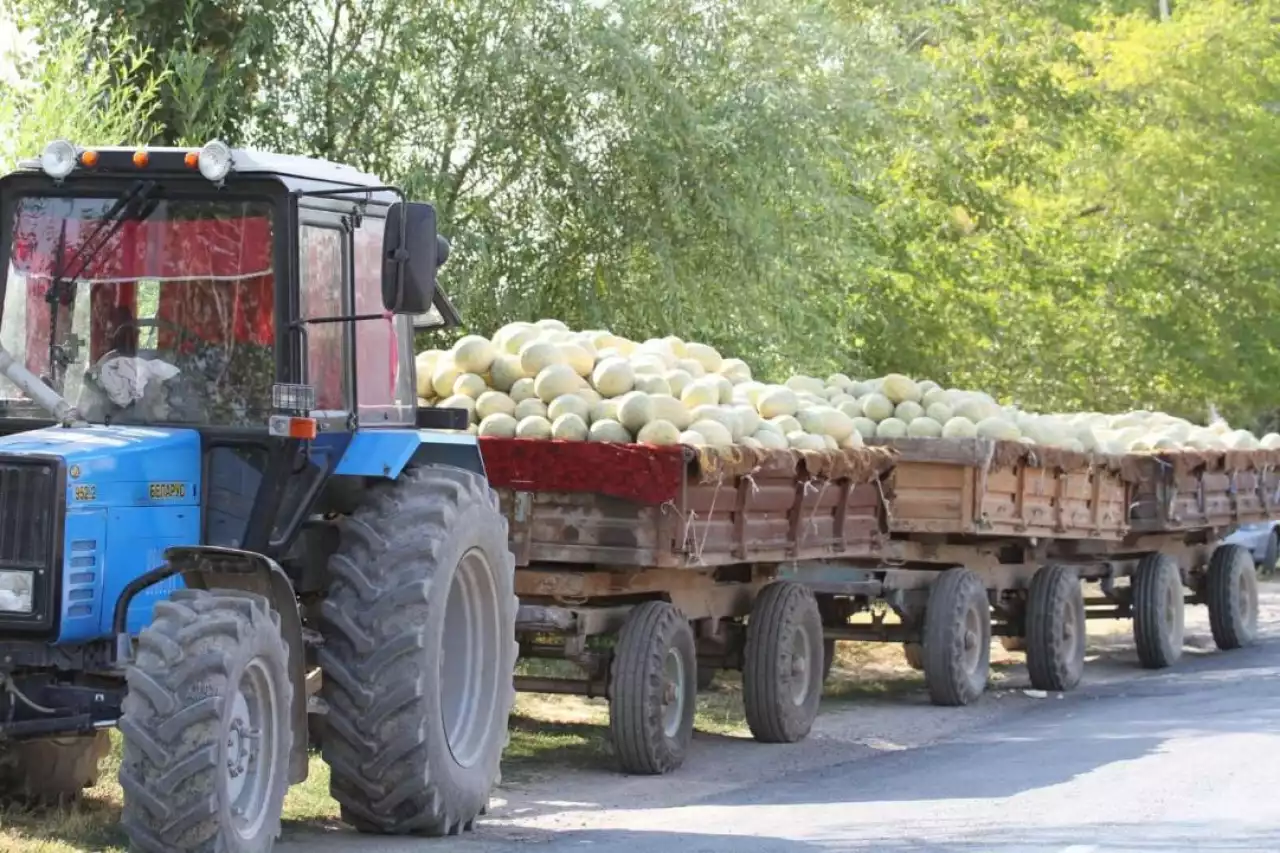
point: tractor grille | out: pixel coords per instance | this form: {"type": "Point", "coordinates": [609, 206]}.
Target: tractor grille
{"type": "Point", "coordinates": [32, 509]}
{"type": "Point", "coordinates": [28, 512]}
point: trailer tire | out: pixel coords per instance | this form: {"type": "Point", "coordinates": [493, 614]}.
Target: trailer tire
{"type": "Point", "coordinates": [653, 689]}
{"type": "Point", "coordinates": [206, 725]}
{"type": "Point", "coordinates": [781, 687]}
{"type": "Point", "coordinates": [914, 653]}
{"type": "Point", "coordinates": [52, 770]}
{"type": "Point", "coordinates": [1055, 629]}
{"type": "Point", "coordinates": [1231, 590]}
{"type": "Point", "coordinates": [1159, 611]}
{"type": "Point", "coordinates": [416, 725]}
{"type": "Point", "coordinates": [957, 638]}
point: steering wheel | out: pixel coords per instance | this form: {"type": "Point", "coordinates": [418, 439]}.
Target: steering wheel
{"type": "Point", "coordinates": [156, 323]}
{"type": "Point", "coordinates": [200, 347]}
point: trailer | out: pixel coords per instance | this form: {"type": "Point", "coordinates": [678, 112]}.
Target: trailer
{"type": "Point", "coordinates": [651, 567]}
{"type": "Point", "coordinates": [988, 538]}
{"type": "Point", "coordinates": [646, 566]}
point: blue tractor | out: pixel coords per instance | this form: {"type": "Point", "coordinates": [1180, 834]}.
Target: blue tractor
{"type": "Point", "coordinates": [212, 348]}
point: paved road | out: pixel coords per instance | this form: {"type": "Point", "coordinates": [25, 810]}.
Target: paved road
{"type": "Point", "coordinates": [1181, 761]}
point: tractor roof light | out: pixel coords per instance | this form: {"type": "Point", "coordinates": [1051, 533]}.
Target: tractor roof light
{"type": "Point", "coordinates": [58, 159]}
{"type": "Point", "coordinates": [215, 161]}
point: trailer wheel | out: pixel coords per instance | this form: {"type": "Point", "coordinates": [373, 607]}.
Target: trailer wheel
{"type": "Point", "coordinates": [1055, 629]}
{"type": "Point", "coordinates": [206, 725]}
{"type": "Point", "coordinates": [785, 655]}
{"type": "Point", "coordinates": [653, 689]}
{"type": "Point", "coordinates": [52, 770]}
{"type": "Point", "coordinates": [1232, 593]}
{"type": "Point", "coordinates": [914, 653]}
{"type": "Point", "coordinates": [957, 638]}
{"type": "Point", "coordinates": [419, 654]}
{"type": "Point", "coordinates": [1159, 614]}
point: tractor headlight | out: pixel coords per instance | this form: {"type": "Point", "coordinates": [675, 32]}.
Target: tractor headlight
{"type": "Point", "coordinates": [16, 592]}
{"type": "Point", "coordinates": [215, 161]}
{"type": "Point", "coordinates": [58, 159]}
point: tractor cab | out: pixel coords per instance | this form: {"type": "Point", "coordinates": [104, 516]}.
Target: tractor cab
{"type": "Point", "coordinates": [178, 287]}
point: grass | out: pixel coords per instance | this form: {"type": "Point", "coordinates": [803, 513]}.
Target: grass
{"type": "Point", "coordinates": [549, 734]}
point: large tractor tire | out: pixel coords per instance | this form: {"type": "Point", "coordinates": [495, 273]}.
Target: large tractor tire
{"type": "Point", "coordinates": [419, 654]}
{"type": "Point", "coordinates": [207, 727]}
{"type": "Point", "coordinates": [52, 770]}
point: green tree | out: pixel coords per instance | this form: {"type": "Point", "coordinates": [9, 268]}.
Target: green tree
{"type": "Point", "coordinates": [649, 166]}
{"type": "Point", "coordinates": [67, 91]}
{"type": "Point", "coordinates": [206, 56]}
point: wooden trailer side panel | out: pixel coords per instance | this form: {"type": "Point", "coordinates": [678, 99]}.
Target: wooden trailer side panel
{"type": "Point", "coordinates": [1184, 500]}
{"type": "Point", "coordinates": [1020, 500]}
{"type": "Point", "coordinates": [739, 520]}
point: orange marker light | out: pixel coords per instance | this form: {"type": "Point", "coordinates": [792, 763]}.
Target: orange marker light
{"type": "Point", "coordinates": [192, 160]}
{"type": "Point", "coordinates": [141, 159]}
{"type": "Point", "coordinates": [304, 428]}
{"type": "Point", "coordinates": [89, 158]}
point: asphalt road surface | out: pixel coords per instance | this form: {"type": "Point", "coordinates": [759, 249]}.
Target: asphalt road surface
{"type": "Point", "coordinates": [1183, 760]}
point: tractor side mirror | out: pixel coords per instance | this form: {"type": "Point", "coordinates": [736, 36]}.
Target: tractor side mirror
{"type": "Point", "coordinates": [409, 269]}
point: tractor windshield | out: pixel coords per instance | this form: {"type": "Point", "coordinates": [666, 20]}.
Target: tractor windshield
{"type": "Point", "coordinates": [162, 313]}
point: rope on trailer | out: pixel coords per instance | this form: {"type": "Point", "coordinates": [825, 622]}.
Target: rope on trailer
{"type": "Point", "coordinates": [688, 543]}
{"type": "Point", "coordinates": [706, 530]}
{"type": "Point", "coordinates": [884, 502]}
{"type": "Point", "coordinates": [809, 489]}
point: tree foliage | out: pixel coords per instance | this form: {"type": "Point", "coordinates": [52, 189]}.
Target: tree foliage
{"type": "Point", "coordinates": [1068, 204]}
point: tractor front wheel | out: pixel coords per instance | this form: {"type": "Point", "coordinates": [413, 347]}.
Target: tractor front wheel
{"type": "Point", "coordinates": [206, 725]}
{"type": "Point", "coordinates": [419, 654]}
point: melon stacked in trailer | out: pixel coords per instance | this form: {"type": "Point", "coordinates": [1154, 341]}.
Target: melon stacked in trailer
{"type": "Point", "coordinates": [544, 381]}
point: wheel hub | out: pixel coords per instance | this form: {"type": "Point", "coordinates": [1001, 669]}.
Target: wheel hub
{"type": "Point", "coordinates": [1068, 638]}
{"type": "Point", "coordinates": [799, 669]}
{"type": "Point", "coordinates": [971, 640]}
{"type": "Point", "coordinates": [251, 748]}
{"type": "Point", "coordinates": [469, 677]}
{"type": "Point", "coordinates": [242, 744]}
{"type": "Point", "coordinates": [673, 677]}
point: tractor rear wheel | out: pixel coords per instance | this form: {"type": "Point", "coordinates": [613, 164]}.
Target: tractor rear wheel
{"type": "Point", "coordinates": [419, 654]}
{"type": "Point", "coordinates": [52, 770]}
{"type": "Point", "coordinates": [206, 725]}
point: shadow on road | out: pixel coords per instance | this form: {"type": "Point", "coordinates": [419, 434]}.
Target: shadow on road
{"type": "Point", "coordinates": [895, 838]}
{"type": "Point", "coordinates": [1043, 749]}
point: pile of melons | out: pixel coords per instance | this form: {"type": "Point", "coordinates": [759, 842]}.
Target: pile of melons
{"type": "Point", "coordinates": [545, 381]}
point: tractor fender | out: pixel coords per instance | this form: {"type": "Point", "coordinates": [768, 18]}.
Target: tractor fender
{"type": "Point", "coordinates": [387, 452]}
{"type": "Point", "coordinates": [209, 567]}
